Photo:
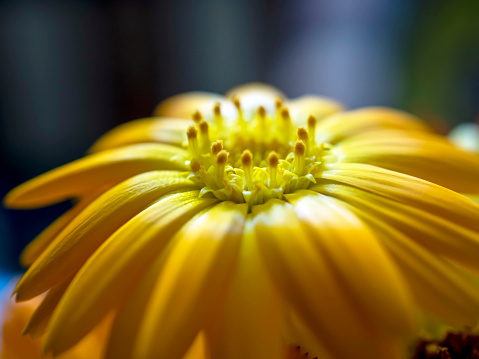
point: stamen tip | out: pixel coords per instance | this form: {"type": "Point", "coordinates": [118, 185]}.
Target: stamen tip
{"type": "Point", "coordinates": [236, 102]}
{"type": "Point", "coordinates": [285, 113]}
{"type": "Point", "coordinates": [278, 103]}
{"type": "Point", "coordinates": [195, 165]}
{"type": "Point", "coordinates": [246, 158]}
{"type": "Point", "coordinates": [216, 147]}
{"type": "Point", "coordinates": [197, 116]}
{"type": "Point", "coordinates": [312, 120]}
{"type": "Point", "coordinates": [299, 148]}
{"type": "Point", "coordinates": [192, 132]}
{"type": "Point", "coordinates": [302, 134]}
{"type": "Point", "coordinates": [273, 159]}
{"type": "Point", "coordinates": [203, 125]}
{"type": "Point", "coordinates": [217, 109]}
{"type": "Point", "coordinates": [261, 111]}
{"type": "Point", "coordinates": [222, 157]}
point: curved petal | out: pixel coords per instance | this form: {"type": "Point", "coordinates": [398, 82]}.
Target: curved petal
{"type": "Point", "coordinates": [439, 287]}
{"type": "Point", "coordinates": [302, 107]}
{"type": "Point", "coordinates": [171, 131]}
{"type": "Point", "coordinates": [249, 323]}
{"type": "Point", "coordinates": [420, 218]}
{"type": "Point", "coordinates": [358, 260]}
{"type": "Point", "coordinates": [255, 94]}
{"type": "Point", "coordinates": [345, 124]}
{"type": "Point", "coordinates": [185, 104]}
{"type": "Point", "coordinates": [303, 276]}
{"type": "Point", "coordinates": [194, 276]}
{"type": "Point", "coordinates": [419, 154]}
{"type": "Point", "coordinates": [97, 170]}
{"type": "Point", "coordinates": [113, 270]}
{"type": "Point", "coordinates": [75, 244]}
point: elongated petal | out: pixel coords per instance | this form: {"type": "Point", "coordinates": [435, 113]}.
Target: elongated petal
{"type": "Point", "coordinates": [38, 322]}
{"type": "Point", "coordinates": [438, 233]}
{"type": "Point", "coordinates": [302, 275]}
{"type": "Point", "coordinates": [35, 248]}
{"type": "Point", "coordinates": [91, 172]}
{"type": "Point", "coordinates": [75, 244]}
{"type": "Point", "coordinates": [439, 287]}
{"type": "Point", "coordinates": [419, 154]}
{"type": "Point", "coordinates": [345, 124]}
{"type": "Point", "coordinates": [112, 271]}
{"type": "Point", "coordinates": [360, 262]}
{"type": "Point", "coordinates": [320, 107]}
{"type": "Point", "coordinates": [249, 324]}
{"type": "Point", "coordinates": [192, 280]}
{"type": "Point", "coordinates": [171, 131]}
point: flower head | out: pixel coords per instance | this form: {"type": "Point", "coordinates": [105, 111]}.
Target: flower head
{"type": "Point", "coordinates": [250, 224]}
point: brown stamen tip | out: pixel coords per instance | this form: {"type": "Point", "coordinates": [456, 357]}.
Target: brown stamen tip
{"type": "Point", "coordinates": [278, 103]}
{"type": "Point", "coordinates": [246, 158]}
{"type": "Point", "coordinates": [312, 121]}
{"type": "Point", "coordinates": [285, 113]}
{"type": "Point", "coordinates": [303, 134]}
{"type": "Point", "coordinates": [299, 148]}
{"type": "Point", "coordinates": [261, 111]}
{"type": "Point", "coordinates": [236, 102]}
{"type": "Point", "coordinates": [222, 157]}
{"type": "Point", "coordinates": [203, 125]}
{"type": "Point", "coordinates": [216, 147]}
{"type": "Point", "coordinates": [273, 159]}
{"type": "Point", "coordinates": [217, 109]}
{"type": "Point", "coordinates": [195, 165]}
{"type": "Point", "coordinates": [197, 116]}
{"type": "Point", "coordinates": [192, 132]}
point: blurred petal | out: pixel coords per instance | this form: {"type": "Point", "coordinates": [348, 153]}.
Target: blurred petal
{"type": "Point", "coordinates": [76, 243]}
{"type": "Point", "coordinates": [249, 324]}
{"type": "Point", "coordinates": [361, 264]}
{"type": "Point", "coordinates": [195, 275]}
{"type": "Point", "coordinates": [419, 154]}
{"type": "Point", "coordinates": [320, 107]}
{"type": "Point", "coordinates": [255, 94]}
{"type": "Point", "coordinates": [171, 131]}
{"type": "Point", "coordinates": [113, 270]}
{"type": "Point", "coordinates": [91, 172]}
{"type": "Point", "coordinates": [345, 124]}
{"type": "Point", "coordinates": [305, 279]}
{"type": "Point", "coordinates": [185, 104]}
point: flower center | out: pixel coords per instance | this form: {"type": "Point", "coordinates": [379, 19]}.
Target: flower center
{"type": "Point", "coordinates": [256, 158]}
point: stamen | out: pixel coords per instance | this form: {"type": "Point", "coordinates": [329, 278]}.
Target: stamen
{"type": "Point", "coordinates": [241, 120]}
{"type": "Point", "coordinates": [312, 130]}
{"type": "Point", "coordinates": [216, 147]}
{"type": "Point", "coordinates": [204, 136]}
{"type": "Point", "coordinates": [247, 161]}
{"type": "Point", "coordinates": [195, 164]}
{"type": "Point", "coordinates": [221, 160]}
{"type": "Point", "coordinates": [303, 136]}
{"type": "Point", "coordinates": [262, 121]}
{"type": "Point", "coordinates": [286, 126]}
{"type": "Point", "coordinates": [197, 116]}
{"type": "Point", "coordinates": [273, 161]}
{"type": "Point", "coordinates": [299, 150]}
{"type": "Point", "coordinates": [192, 134]}
{"type": "Point", "coordinates": [218, 118]}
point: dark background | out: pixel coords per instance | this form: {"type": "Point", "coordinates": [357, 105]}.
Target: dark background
{"type": "Point", "coordinates": [71, 70]}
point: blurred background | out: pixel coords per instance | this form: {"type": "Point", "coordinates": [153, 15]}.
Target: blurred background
{"type": "Point", "coordinates": [71, 70]}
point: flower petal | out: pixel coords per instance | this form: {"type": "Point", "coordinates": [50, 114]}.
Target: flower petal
{"type": "Point", "coordinates": [94, 171]}
{"type": "Point", "coordinates": [171, 131]}
{"type": "Point", "coordinates": [255, 94]}
{"type": "Point", "coordinates": [249, 324]}
{"type": "Point", "coordinates": [345, 124]}
{"type": "Point", "coordinates": [439, 219]}
{"type": "Point", "coordinates": [75, 244]}
{"type": "Point", "coordinates": [303, 276]}
{"type": "Point", "coordinates": [194, 276]}
{"type": "Point", "coordinates": [440, 288]}
{"type": "Point", "coordinates": [302, 107]}
{"type": "Point", "coordinates": [185, 104]}
{"type": "Point", "coordinates": [113, 270]}
{"type": "Point", "coordinates": [418, 154]}
{"type": "Point", "coordinates": [358, 260]}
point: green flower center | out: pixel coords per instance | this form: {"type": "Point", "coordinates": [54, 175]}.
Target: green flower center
{"type": "Point", "coordinates": [254, 159]}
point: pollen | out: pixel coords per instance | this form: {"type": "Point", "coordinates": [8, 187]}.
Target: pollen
{"type": "Point", "coordinates": [256, 157]}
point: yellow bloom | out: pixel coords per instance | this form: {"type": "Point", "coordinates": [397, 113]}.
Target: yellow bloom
{"type": "Point", "coordinates": [261, 225]}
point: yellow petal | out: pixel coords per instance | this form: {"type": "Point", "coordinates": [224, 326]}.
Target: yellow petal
{"type": "Point", "coordinates": [171, 131]}
{"type": "Point", "coordinates": [84, 234]}
{"type": "Point", "coordinates": [113, 270]}
{"type": "Point", "coordinates": [345, 124]}
{"type": "Point", "coordinates": [198, 348]}
{"type": "Point", "coordinates": [249, 324]}
{"type": "Point", "coordinates": [418, 154]}
{"type": "Point", "coordinates": [91, 172]}
{"type": "Point", "coordinates": [423, 222]}
{"type": "Point", "coordinates": [193, 279]}
{"type": "Point", "coordinates": [320, 107]}
{"type": "Point", "coordinates": [305, 279]}
{"type": "Point", "coordinates": [362, 265]}
{"type": "Point", "coordinates": [439, 287]}
{"type": "Point", "coordinates": [185, 104]}
{"type": "Point", "coordinates": [255, 94]}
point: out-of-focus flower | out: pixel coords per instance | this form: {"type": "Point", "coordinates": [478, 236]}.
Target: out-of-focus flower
{"type": "Point", "coordinates": [263, 225]}
{"type": "Point", "coordinates": [466, 136]}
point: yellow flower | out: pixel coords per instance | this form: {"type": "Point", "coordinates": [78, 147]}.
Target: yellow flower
{"type": "Point", "coordinates": [261, 225]}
